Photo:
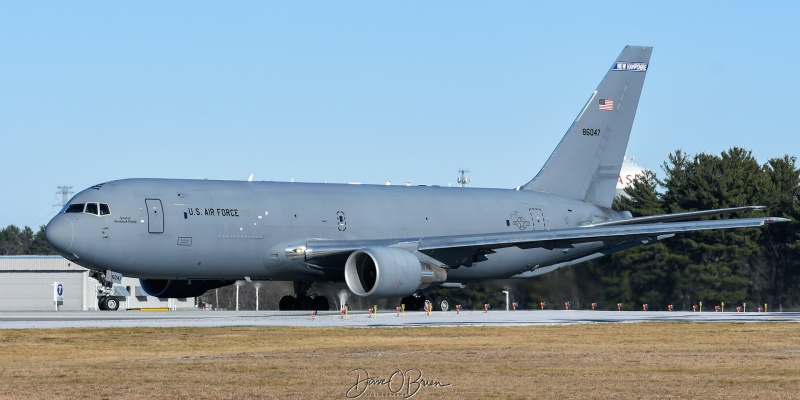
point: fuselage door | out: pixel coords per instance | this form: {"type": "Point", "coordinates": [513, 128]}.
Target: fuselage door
{"type": "Point", "coordinates": [155, 216]}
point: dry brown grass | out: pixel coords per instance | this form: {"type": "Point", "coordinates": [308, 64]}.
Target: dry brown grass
{"type": "Point", "coordinates": [643, 360]}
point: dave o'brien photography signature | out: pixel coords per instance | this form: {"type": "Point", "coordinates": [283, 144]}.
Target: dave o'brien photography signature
{"type": "Point", "coordinates": [399, 383]}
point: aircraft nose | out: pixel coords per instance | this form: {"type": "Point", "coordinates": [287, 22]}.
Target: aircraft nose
{"type": "Point", "coordinates": [60, 233]}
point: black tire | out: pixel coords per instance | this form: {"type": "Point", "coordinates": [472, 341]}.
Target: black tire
{"type": "Point", "coordinates": [414, 303]}
{"type": "Point", "coordinates": [304, 303]}
{"type": "Point", "coordinates": [419, 303]}
{"type": "Point", "coordinates": [101, 303]}
{"type": "Point", "coordinates": [443, 303]}
{"type": "Point", "coordinates": [112, 303]}
{"type": "Point", "coordinates": [408, 301]}
{"type": "Point", "coordinates": [287, 303]}
{"type": "Point", "coordinates": [321, 303]}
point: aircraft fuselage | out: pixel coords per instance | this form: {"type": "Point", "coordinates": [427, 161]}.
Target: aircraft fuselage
{"type": "Point", "coordinates": [200, 229]}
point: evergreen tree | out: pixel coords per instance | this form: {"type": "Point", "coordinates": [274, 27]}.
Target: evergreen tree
{"type": "Point", "coordinates": [642, 197]}
{"type": "Point", "coordinates": [39, 245]}
{"type": "Point", "coordinates": [781, 242]}
{"type": "Point", "coordinates": [15, 242]}
{"type": "Point", "coordinates": [676, 182]}
{"type": "Point", "coordinates": [11, 241]}
{"type": "Point", "coordinates": [646, 274]}
{"type": "Point", "coordinates": [723, 265]}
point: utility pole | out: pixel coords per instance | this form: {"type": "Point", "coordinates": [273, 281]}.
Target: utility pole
{"type": "Point", "coordinates": [463, 179]}
{"type": "Point", "coordinates": [64, 191]}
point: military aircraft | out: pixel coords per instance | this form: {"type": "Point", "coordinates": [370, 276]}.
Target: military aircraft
{"type": "Point", "coordinates": [184, 237]}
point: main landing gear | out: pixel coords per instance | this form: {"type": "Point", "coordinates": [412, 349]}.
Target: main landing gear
{"type": "Point", "coordinates": [105, 301]}
{"type": "Point", "coordinates": [303, 301]}
{"type": "Point", "coordinates": [421, 302]}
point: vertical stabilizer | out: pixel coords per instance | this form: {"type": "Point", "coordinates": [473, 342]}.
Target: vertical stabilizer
{"type": "Point", "coordinates": [587, 161]}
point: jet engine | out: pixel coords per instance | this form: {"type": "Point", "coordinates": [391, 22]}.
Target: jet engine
{"type": "Point", "coordinates": [387, 272]}
{"type": "Point", "coordinates": [171, 288]}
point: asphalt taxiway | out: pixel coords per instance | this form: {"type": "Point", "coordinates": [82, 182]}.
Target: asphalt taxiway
{"type": "Point", "coordinates": [122, 319]}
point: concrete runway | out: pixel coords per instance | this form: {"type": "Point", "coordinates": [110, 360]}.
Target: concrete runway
{"type": "Point", "coordinates": [361, 319]}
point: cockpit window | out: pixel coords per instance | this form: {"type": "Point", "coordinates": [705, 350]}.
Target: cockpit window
{"type": "Point", "coordinates": [89, 208]}
{"type": "Point", "coordinates": [75, 208]}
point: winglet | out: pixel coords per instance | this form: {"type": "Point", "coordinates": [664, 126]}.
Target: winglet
{"type": "Point", "coordinates": [586, 163]}
{"type": "Point", "coordinates": [776, 220]}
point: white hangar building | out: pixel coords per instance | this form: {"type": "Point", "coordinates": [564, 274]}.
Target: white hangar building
{"type": "Point", "coordinates": [26, 283]}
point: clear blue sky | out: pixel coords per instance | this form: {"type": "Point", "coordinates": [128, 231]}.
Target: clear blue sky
{"type": "Point", "coordinates": [369, 91]}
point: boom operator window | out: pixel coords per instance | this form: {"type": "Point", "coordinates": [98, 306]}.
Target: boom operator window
{"type": "Point", "coordinates": [89, 208]}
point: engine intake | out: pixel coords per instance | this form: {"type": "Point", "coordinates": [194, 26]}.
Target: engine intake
{"type": "Point", "coordinates": [170, 288]}
{"type": "Point", "coordinates": [388, 272]}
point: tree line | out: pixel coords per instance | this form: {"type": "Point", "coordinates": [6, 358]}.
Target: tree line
{"type": "Point", "coordinates": [732, 266]}
{"type": "Point", "coordinates": [748, 265]}
{"type": "Point", "coordinates": [16, 242]}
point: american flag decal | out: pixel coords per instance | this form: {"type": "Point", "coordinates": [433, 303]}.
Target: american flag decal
{"type": "Point", "coordinates": [607, 104]}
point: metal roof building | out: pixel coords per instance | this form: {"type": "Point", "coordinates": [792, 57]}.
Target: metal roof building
{"type": "Point", "coordinates": [27, 283]}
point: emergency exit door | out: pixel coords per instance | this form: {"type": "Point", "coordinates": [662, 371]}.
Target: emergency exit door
{"type": "Point", "coordinates": [155, 216]}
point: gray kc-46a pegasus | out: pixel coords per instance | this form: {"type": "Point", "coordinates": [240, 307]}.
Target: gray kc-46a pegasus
{"type": "Point", "coordinates": [184, 237]}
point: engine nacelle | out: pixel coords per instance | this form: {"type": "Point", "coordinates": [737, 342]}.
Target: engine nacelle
{"type": "Point", "coordinates": [171, 288]}
{"type": "Point", "coordinates": [388, 272]}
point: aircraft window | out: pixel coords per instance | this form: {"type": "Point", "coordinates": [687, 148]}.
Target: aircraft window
{"type": "Point", "coordinates": [104, 209]}
{"type": "Point", "coordinates": [91, 208]}
{"type": "Point", "coordinates": [75, 208]}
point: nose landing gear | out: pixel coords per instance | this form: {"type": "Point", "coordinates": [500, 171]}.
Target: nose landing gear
{"type": "Point", "coordinates": [108, 303]}
{"type": "Point", "coordinates": [105, 301]}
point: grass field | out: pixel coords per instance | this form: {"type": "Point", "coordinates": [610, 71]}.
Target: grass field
{"type": "Point", "coordinates": [601, 361]}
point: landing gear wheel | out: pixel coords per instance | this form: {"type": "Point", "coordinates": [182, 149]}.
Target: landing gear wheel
{"type": "Point", "coordinates": [107, 303]}
{"type": "Point", "coordinates": [287, 303]}
{"type": "Point", "coordinates": [304, 303]}
{"type": "Point", "coordinates": [413, 303]}
{"type": "Point", "coordinates": [321, 303]}
{"type": "Point", "coordinates": [442, 303]}
{"type": "Point", "coordinates": [420, 302]}
{"type": "Point", "coordinates": [112, 304]}
{"type": "Point", "coordinates": [408, 301]}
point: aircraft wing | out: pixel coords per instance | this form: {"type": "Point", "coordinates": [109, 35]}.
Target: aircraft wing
{"type": "Point", "coordinates": [319, 249]}
{"type": "Point", "coordinates": [564, 238]}
{"type": "Point", "coordinates": [681, 216]}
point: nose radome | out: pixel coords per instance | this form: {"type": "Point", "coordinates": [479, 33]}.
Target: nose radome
{"type": "Point", "coordinates": [60, 233]}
